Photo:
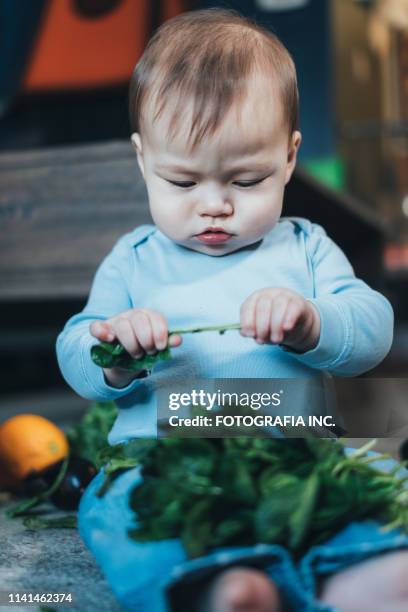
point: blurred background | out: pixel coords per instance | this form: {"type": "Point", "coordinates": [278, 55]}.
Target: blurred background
{"type": "Point", "coordinates": [69, 185]}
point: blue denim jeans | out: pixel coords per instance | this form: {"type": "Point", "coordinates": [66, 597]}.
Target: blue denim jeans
{"type": "Point", "coordinates": [143, 575]}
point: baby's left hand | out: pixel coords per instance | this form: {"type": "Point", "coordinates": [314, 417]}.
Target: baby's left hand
{"type": "Point", "coordinates": [280, 316]}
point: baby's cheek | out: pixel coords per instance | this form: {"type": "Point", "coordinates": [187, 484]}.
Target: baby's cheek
{"type": "Point", "coordinates": [170, 221]}
{"type": "Point", "coordinates": [262, 219]}
{"type": "Point", "coordinates": [261, 201]}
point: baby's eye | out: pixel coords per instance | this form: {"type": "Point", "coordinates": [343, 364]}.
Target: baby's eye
{"type": "Point", "coordinates": [183, 184]}
{"type": "Point", "coordinates": [248, 183]}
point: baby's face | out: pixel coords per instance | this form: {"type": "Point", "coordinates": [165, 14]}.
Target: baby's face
{"type": "Point", "coordinates": [228, 193]}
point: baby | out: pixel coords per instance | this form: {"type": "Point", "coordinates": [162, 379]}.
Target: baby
{"type": "Point", "coordinates": [214, 108]}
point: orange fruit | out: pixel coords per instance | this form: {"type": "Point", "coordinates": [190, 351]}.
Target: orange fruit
{"type": "Point", "coordinates": [30, 443]}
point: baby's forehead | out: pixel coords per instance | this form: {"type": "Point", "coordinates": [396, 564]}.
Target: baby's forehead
{"type": "Point", "coordinates": [256, 118]}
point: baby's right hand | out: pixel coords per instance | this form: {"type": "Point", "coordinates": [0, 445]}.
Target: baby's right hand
{"type": "Point", "coordinates": [139, 331]}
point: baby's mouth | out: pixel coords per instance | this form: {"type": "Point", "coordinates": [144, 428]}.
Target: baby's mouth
{"type": "Point", "coordinates": [213, 235]}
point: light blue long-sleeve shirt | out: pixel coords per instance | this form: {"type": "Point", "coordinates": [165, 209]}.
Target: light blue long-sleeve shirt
{"type": "Point", "coordinates": [147, 270]}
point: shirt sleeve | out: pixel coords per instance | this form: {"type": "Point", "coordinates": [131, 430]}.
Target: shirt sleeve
{"type": "Point", "coordinates": [356, 321]}
{"type": "Point", "coordinates": [109, 295]}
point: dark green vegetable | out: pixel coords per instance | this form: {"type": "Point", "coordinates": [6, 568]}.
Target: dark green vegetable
{"type": "Point", "coordinates": [88, 439]}
{"type": "Point", "coordinates": [242, 491]}
{"type": "Point", "coordinates": [122, 457]}
{"type": "Point", "coordinates": [63, 522]}
{"type": "Point", "coordinates": [108, 355]}
{"type": "Point", "coordinates": [27, 504]}
{"type": "Point", "coordinates": [78, 475]}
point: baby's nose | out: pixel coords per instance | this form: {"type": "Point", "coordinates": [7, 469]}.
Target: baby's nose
{"type": "Point", "coordinates": [215, 203]}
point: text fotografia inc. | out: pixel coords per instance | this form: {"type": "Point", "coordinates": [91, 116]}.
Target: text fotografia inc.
{"type": "Point", "coordinates": [259, 420]}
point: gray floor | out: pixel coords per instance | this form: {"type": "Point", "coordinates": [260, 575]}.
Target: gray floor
{"type": "Point", "coordinates": [51, 561]}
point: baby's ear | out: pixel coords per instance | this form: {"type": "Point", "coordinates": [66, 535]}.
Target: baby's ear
{"type": "Point", "coordinates": [293, 148]}
{"type": "Point", "coordinates": [137, 145]}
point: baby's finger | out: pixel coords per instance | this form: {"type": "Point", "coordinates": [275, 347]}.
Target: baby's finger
{"type": "Point", "coordinates": [291, 317]}
{"type": "Point", "coordinates": [102, 330]}
{"type": "Point", "coordinates": [279, 309]}
{"type": "Point", "coordinates": [159, 329]}
{"type": "Point", "coordinates": [175, 340]}
{"type": "Point", "coordinates": [263, 311]}
{"type": "Point", "coordinates": [142, 327]}
{"type": "Point", "coordinates": [247, 315]}
{"type": "Point", "coordinates": [127, 337]}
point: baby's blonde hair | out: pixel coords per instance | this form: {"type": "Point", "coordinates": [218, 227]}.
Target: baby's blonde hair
{"type": "Point", "coordinates": [209, 56]}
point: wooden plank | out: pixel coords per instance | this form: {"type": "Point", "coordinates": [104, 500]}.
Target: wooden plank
{"type": "Point", "coordinates": [343, 202]}
{"type": "Point", "coordinates": [62, 406]}
{"type": "Point", "coordinates": [52, 156]}
{"type": "Point", "coordinates": [60, 214]}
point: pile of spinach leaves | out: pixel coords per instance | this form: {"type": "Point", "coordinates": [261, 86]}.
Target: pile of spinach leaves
{"type": "Point", "coordinates": [242, 491]}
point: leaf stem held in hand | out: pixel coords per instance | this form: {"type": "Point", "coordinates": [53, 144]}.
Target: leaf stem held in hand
{"type": "Point", "coordinates": [194, 330]}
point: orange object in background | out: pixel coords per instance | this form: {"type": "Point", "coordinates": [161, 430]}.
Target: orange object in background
{"type": "Point", "coordinates": [91, 43]}
{"type": "Point", "coordinates": [29, 443]}
{"type": "Point", "coordinates": [396, 257]}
